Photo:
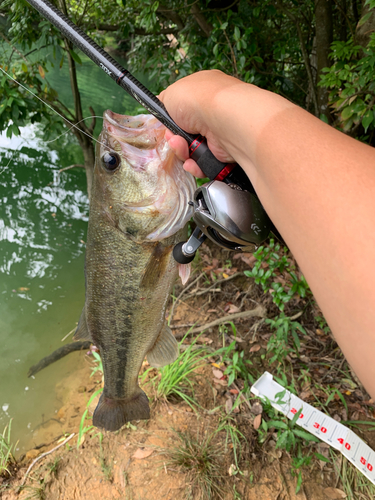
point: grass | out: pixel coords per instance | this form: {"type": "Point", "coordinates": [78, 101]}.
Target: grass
{"type": "Point", "coordinates": [84, 429]}
{"type": "Point", "coordinates": [176, 378]}
{"type": "Point", "coordinates": [6, 450]}
{"type": "Point", "coordinates": [355, 485]}
{"type": "Point", "coordinates": [198, 456]}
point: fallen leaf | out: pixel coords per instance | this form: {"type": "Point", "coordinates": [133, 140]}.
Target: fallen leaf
{"type": "Point", "coordinates": [233, 391]}
{"type": "Point", "coordinates": [212, 311]}
{"type": "Point", "coordinates": [225, 275]}
{"type": "Point", "coordinates": [223, 382]}
{"type": "Point", "coordinates": [228, 405]}
{"type": "Point", "coordinates": [255, 348]}
{"type": "Point", "coordinates": [142, 453]}
{"type": "Point", "coordinates": [233, 309]}
{"type": "Point", "coordinates": [23, 289]}
{"type": "Point", "coordinates": [217, 366]}
{"type": "Point", "coordinates": [248, 258]}
{"type": "Point", "coordinates": [232, 471]}
{"type": "Point", "coordinates": [334, 493]}
{"type": "Point", "coordinates": [202, 340]}
{"type": "Point", "coordinates": [217, 373]}
{"type": "Point", "coordinates": [305, 394]}
{"type": "Point", "coordinates": [257, 422]}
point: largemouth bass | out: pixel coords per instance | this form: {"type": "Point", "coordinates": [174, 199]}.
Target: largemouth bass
{"type": "Point", "coordinates": [138, 212]}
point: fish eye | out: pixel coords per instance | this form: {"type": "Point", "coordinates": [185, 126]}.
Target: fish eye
{"type": "Point", "coordinates": [111, 161]}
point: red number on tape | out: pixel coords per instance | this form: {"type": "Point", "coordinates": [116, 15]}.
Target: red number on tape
{"type": "Point", "coordinates": [316, 425]}
{"type": "Point", "coordinates": [347, 446]}
{"type": "Point", "coordinates": [369, 466]}
{"type": "Point", "coordinates": [363, 461]}
{"type": "Point", "coordinates": [294, 411]}
{"type": "Point", "coordinates": [324, 430]}
{"type": "Point", "coordinates": [340, 440]}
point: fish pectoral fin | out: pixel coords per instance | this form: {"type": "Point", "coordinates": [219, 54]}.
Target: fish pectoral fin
{"type": "Point", "coordinates": [156, 265]}
{"type": "Point", "coordinates": [165, 349]}
{"type": "Point", "coordinates": [82, 332]}
{"type": "Point", "coordinates": [184, 272]}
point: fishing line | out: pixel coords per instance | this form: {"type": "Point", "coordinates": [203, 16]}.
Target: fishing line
{"type": "Point", "coordinates": [69, 129]}
{"type": "Point", "coordinates": [50, 107]}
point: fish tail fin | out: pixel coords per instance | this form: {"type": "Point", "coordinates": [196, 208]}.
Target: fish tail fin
{"type": "Point", "coordinates": [112, 414]}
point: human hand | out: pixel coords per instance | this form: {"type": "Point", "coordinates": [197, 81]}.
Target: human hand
{"type": "Point", "coordinates": [191, 103]}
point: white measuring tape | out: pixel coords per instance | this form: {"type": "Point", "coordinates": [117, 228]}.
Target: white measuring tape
{"type": "Point", "coordinates": [314, 421]}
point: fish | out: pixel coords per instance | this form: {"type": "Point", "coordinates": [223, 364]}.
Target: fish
{"type": "Point", "coordinates": [139, 209]}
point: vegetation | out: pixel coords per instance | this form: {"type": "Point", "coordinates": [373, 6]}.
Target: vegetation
{"type": "Point", "coordinates": [317, 54]}
{"type": "Point", "coordinates": [176, 379]}
{"type": "Point", "coordinates": [197, 455]}
{"type": "Point", "coordinates": [6, 450]}
{"type": "Point", "coordinates": [320, 55]}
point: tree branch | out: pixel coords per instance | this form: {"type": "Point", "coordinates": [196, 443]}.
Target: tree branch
{"type": "Point", "coordinates": [201, 20]}
{"type": "Point", "coordinates": [93, 122]}
{"type": "Point", "coordinates": [305, 55]}
{"type": "Point", "coordinates": [75, 165]}
{"type": "Point", "coordinates": [137, 31]}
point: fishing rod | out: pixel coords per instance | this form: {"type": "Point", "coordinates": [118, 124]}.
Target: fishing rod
{"type": "Point", "coordinates": [227, 209]}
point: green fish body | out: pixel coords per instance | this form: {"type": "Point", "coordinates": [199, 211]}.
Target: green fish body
{"type": "Point", "coordinates": [138, 212]}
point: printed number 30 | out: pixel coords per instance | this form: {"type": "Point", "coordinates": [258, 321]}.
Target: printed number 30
{"type": "Point", "coordinates": [322, 429]}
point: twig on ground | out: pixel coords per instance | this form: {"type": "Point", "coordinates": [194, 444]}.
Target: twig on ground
{"type": "Point", "coordinates": [182, 292]}
{"type": "Point", "coordinates": [43, 455]}
{"type": "Point", "coordinates": [67, 335]}
{"type": "Point", "coordinates": [258, 311]}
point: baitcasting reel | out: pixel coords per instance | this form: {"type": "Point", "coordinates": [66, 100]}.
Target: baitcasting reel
{"type": "Point", "coordinates": [231, 217]}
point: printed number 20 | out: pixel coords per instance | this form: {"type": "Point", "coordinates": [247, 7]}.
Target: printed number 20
{"type": "Point", "coordinates": [294, 411]}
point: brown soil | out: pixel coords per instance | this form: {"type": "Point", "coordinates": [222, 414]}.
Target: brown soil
{"type": "Point", "coordinates": [133, 463]}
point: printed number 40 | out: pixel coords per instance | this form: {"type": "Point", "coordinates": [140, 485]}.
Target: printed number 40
{"type": "Point", "coordinates": [347, 445]}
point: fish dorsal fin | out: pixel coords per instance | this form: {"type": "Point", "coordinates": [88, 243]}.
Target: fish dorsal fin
{"type": "Point", "coordinates": [82, 332]}
{"type": "Point", "coordinates": [165, 350]}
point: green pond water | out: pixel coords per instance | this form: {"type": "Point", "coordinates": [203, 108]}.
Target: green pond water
{"type": "Point", "coordinates": [43, 223]}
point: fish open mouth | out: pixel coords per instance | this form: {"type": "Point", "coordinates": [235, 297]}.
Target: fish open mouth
{"type": "Point", "coordinates": [124, 121]}
{"type": "Point", "coordinates": [142, 131]}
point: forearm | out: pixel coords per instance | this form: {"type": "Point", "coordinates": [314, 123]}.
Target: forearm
{"type": "Point", "coordinates": [318, 186]}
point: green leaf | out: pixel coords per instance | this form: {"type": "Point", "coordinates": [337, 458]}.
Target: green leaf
{"type": "Point", "coordinates": [299, 482]}
{"type": "Point", "coordinates": [305, 435]}
{"type": "Point", "coordinates": [278, 424]}
{"type": "Point", "coordinates": [237, 34]}
{"type": "Point", "coordinates": [322, 457]}
{"type": "Point", "coordinates": [75, 56]}
{"type": "Point", "coordinates": [367, 120]}
{"type": "Point", "coordinates": [347, 113]}
{"type": "Point", "coordinates": [365, 18]}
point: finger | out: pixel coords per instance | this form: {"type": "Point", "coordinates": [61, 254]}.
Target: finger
{"type": "Point", "coordinates": [192, 167]}
{"type": "Point", "coordinates": [178, 144]}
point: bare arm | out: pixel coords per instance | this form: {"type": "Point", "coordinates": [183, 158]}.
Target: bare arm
{"type": "Point", "coordinates": [316, 184]}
